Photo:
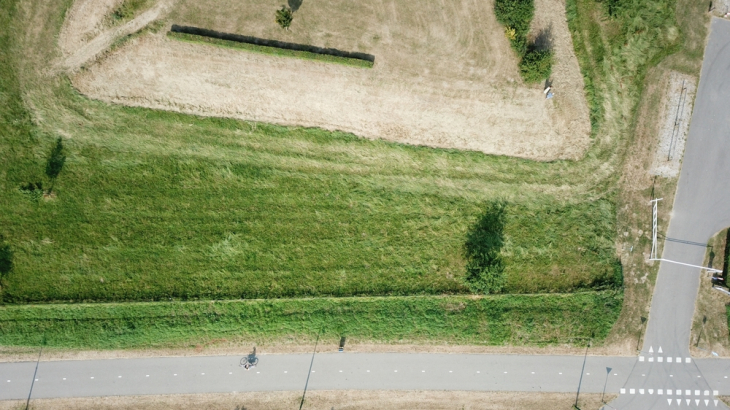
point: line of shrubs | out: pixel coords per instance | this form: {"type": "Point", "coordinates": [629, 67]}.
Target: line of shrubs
{"type": "Point", "coordinates": [535, 58]}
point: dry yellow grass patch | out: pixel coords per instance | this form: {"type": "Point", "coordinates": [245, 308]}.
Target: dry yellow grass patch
{"type": "Point", "coordinates": [444, 75]}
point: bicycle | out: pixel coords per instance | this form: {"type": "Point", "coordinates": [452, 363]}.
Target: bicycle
{"type": "Point", "coordinates": [250, 361]}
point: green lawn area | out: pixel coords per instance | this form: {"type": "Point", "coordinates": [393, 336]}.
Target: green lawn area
{"type": "Point", "coordinates": [332, 229]}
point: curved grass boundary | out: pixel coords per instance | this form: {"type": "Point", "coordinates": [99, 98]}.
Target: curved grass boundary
{"type": "Point", "coordinates": [273, 47]}
{"type": "Point", "coordinates": [538, 320]}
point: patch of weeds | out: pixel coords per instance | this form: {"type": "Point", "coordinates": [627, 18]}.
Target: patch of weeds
{"type": "Point", "coordinates": [33, 190]}
{"type": "Point", "coordinates": [129, 9]}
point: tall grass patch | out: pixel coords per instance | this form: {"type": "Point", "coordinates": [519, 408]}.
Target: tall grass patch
{"type": "Point", "coordinates": [264, 211]}
{"type": "Point", "coordinates": [536, 320]}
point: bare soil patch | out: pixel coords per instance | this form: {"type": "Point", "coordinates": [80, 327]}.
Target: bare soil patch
{"type": "Point", "coordinates": [444, 75]}
{"type": "Point", "coordinates": [326, 399]}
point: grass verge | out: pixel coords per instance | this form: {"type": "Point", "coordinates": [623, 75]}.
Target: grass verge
{"type": "Point", "coordinates": [490, 320]}
{"type": "Point", "coordinates": [306, 55]}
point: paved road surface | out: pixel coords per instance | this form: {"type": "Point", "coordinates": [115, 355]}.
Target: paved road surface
{"type": "Point", "coordinates": [701, 209]}
{"type": "Point", "coordinates": [215, 374]}
{"type": "Point", "coordinates": [331, 371]}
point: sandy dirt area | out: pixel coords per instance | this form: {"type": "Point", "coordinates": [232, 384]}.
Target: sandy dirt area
{"type": "Point", "coordinates": [326, 400]}
{"type": "Point", "coordinates": [444, 75]}
{"type": "Point", "coordinates": [84, 21]}
{"type": "Point", "coordinates": [82, 47]}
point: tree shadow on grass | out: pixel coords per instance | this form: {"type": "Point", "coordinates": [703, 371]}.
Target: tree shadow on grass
{"type": "Point", "coordinates": [484, 241]}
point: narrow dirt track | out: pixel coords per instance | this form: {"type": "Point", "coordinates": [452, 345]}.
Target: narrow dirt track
{"type": "Point", "coordinates": [103, 41]}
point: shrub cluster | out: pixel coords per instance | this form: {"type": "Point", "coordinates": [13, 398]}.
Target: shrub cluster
{"type": "Point", "coordinates": [516, 15]}
{"type": "Point", "coordinates": [536, 65]}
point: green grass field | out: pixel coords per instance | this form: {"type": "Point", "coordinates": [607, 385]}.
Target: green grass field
{"type": "Point", "coordinates": [153, 206]}
{"type": "Point", "coordinates": [492, 320]}
{"type": "Point", "coordinates": [276, 212]}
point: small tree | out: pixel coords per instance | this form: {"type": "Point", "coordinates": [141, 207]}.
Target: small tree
{"type": "Point", "coordinates": [55, 162]}
{"type": "Point", "coordinates": [284, 16]}
{"type": "Point", "coordinates": [536, 65]}
{"type": "Point", "coordinates": [6, 257]}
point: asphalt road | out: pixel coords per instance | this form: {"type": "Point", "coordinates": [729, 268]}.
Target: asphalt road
{"type": "Point", "coordinates": [362, 371]}
{"type": "Point", "coordinates": [330, 371]}
{"type": "Point", "coordinates": [701, 209]}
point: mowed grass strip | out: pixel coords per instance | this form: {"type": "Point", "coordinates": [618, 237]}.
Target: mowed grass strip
{"type": "Point", "coordinates": [306, 55]}
{"type": "Point", "coordinates": [234, 210]}
{"type": "Point", "coordinates": [491, 320]}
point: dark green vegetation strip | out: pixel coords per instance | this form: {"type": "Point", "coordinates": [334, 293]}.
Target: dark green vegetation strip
{"type": "Point", "coordinates": [192, 38]}
{"type": "Point", "coordinates": [492, 320]}
{"type": "Point", "coordinates": [536, 56]}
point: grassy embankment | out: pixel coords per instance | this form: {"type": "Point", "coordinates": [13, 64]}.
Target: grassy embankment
{"type": "Point", "coordinates": [306, 55]}
{"type": "Point", "coordinates": [154, 205]}
{"type": "Point", "coordinates": [495, 320]}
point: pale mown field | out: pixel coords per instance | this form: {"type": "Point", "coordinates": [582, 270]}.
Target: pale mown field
{"type": "Point", "coordinates": [444, 75]}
